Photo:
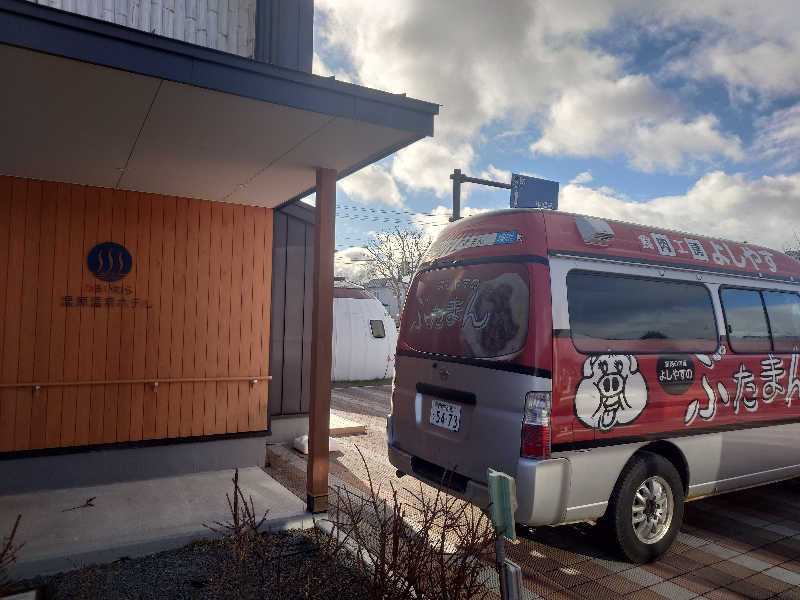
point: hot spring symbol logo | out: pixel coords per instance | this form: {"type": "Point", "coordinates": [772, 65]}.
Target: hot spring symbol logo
{"type": "Point", "coordinates": [109, 261]}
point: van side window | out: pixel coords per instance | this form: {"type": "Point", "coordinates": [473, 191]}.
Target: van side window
{"type": "Point", "coordinates": [620, 313]}
{"type": "Point", "coordinates": [746, 320]}
{"type": "Point", "coordinates": [783, 309]}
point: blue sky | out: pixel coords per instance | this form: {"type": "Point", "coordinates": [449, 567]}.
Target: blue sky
{"type": "Point", "coordinates": [679, 114]}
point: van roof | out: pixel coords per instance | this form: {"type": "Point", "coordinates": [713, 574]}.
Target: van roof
{"type": "Point", "coordinates": [548, 211]}
{"type": "Point", "coordinates": [544, 232]}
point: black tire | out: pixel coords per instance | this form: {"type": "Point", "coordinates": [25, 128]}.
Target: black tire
{"type": "Point", "coordinates": [650, 475]}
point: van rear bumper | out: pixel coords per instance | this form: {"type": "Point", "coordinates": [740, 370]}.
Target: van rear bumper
{"type": "Point", "coordinates": [542, 486]}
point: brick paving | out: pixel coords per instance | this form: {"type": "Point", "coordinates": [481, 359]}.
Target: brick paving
{"type": "Point", "coordinates": [740, 545]}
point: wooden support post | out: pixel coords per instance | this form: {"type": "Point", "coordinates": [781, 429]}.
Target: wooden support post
{"type": "Point", "coordinates": [321, 341]}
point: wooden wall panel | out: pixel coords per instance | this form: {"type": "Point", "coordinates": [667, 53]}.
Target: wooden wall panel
{"type": "Point", "coordinates": [16, 192]}
{"type": "Point", "coordinates": [151, 398]}
{"type": "Point", "coordinates": [277, 313]}
{"type": "Point", "coordinates": [203, 423]}
{"type": "Point", "coordinates": [220, 393]}
{"type": "Point", "coordinates": [44, 306]}
{"type": "Point", "coordinates": [226, 359]}
{"type": "Point", "coordinates": [74, 337]}
{"type": "Point", "coordinates": [239, 411]}
{"type": "Point", "coordinates": [142, 405]}
{"type": "Point", "coordinates": [59, 415]}
{"type": "Point", "coordinates": [27, 330]}
{"type": "Point", "coordinates": [196, 304]}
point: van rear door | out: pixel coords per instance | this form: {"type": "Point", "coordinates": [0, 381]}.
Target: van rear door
{"type": "Point", "coordinates": [459, 386]}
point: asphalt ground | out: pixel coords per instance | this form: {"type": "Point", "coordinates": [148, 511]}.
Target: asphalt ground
{"type": "Point", "coordinates": [739, 545]}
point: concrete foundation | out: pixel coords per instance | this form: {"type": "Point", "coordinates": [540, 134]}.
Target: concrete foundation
{"type": "Point", "coordinates": [285, 429]}
{"type": "Point", "coordinates": [135, 462]}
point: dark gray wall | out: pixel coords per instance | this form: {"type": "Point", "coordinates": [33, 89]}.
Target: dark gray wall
{"type": "Point", "coordinates": [284, 33]}
{"type": "Point", "coordinates": [290, 325]}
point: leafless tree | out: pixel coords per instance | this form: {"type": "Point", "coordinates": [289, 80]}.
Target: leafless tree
{"type": "Point", "coordinates": [395, 256]}
{"type": "Point", "coordinates": [792, 248]}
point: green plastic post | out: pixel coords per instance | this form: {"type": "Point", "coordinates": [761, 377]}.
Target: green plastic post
{"type": "Point", "coordinates": [503, 494]}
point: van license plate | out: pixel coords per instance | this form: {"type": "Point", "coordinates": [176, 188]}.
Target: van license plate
{"type": "Point", "coordinates": [445, 415]}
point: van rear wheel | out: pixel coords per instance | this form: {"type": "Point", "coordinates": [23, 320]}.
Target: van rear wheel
{"type": "Point", "coordinates": [646, 508]}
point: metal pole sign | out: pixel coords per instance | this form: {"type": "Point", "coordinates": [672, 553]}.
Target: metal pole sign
{"type": "Point", "coordinates": [503, 495]}
{"type": "Point", "coordinates": [532, 192]}
{"type": "Point", "coordinates": [526, 192]}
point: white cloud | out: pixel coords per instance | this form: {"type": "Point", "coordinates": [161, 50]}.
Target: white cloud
{"type": "Point", "coordinates": [778, 136]}
{"type": "Point", "coordinates": [496, 174]}
{"type": "Point", "coordinates": [350, 264]}
{"type": "Point", "coordinates": [427, 165]}
{"type": "Point", "coordinates": [372, 184]}
{"type": "Point", "coordinates": [768, 68]}
{"type": "Point", "coordinates": [525, 58]}
{"type": "Point", "coordinates": [432, 224]}
{"type": "Point", "coordinates": [762, 211]}
{"type": "Point", "coordinates": [751, 47]}
{"type": "Point", "coordinates": [536, 63]}
{"type": "Point", "coordinates": [584, 177]}
{"type": "Point", "coordinates": [533, 68]}
{"type": "Point", "coordinates": [632, 117]}
{"type": "Point", "coordinates": [318, 66]}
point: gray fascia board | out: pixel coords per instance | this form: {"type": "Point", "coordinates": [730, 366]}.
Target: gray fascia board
{"type": "Point", "coordinates": [52, 31]}
{"type": "Point", "coordinates": [299, 210]}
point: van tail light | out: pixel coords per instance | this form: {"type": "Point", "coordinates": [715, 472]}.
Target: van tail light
{"type": "Point", "coordinates": [536, 425]}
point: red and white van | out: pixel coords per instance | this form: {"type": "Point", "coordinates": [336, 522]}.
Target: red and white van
{"type": "Point", "coordinates": [614, 369]}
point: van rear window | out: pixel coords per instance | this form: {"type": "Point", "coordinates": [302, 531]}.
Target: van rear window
{"type": "Point", "coordinates": [631, 314]}
{"type": "Point", "coordinates": [474, 311]}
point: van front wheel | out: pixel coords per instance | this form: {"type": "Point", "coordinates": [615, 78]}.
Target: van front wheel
{"type": "Point", "coordinates": [646, 508]}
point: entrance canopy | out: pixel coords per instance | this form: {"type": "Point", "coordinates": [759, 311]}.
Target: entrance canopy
{"type": "Point", "coordinates": [93, 103]}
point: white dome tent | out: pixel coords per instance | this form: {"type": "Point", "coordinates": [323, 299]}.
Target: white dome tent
{"type": "Point", "coordinates": [364, 335]}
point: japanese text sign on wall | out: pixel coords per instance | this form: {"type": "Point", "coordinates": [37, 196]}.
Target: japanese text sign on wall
{"type": "Point", "coordinates": [109, 262]}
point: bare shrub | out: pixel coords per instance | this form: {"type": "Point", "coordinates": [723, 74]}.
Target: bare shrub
{"type": "Point", "coordinates": [243, 543]}
{"type": "Point", "coordinates": [431, 546]}
{"type": "Point", "coordinates": [8, 555]}
{"type": "Point", "coordinates": [254, 563]}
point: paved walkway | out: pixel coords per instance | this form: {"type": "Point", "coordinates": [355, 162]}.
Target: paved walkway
{"type": "Point", "coordinates": [69, 528]}
{"type": "Point", "coordinates": [739, 545]}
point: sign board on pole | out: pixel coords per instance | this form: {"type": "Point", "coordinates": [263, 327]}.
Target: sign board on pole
{"type": "Point", "coordinates": [503, 494]}
{"type": "Point", "coordinates": [532, 192]}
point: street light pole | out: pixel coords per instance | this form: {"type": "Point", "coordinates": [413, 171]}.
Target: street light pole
{"type": "Point", "coordinates": [459, 178]}
{"type": "Point", "coordinates": [456, 177]}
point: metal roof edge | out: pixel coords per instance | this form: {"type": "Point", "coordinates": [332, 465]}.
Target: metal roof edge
{"type": "Point", "coordinates": [52, 31]}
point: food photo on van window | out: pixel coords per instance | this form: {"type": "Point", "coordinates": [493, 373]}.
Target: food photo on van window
{"type": "Point", "coordinates": [477, 311]}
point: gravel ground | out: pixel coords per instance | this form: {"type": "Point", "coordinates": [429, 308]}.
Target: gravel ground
{"type": "Point", "coordinates": [198, 571]}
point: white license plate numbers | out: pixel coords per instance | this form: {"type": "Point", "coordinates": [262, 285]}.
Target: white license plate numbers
{"type": "Point", "coordinates": [445, 415]}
